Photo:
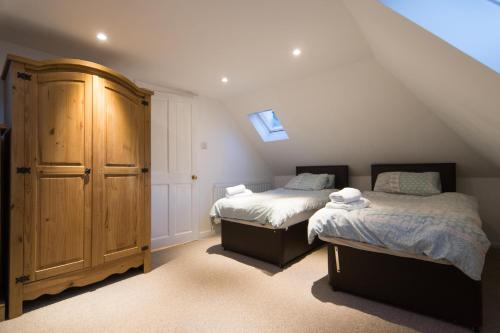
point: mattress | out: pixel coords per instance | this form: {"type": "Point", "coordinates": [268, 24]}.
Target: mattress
{"type": "Point", "coordinates": [301, 217]}
{"type": "Point", "coordinates": [380, 249]}
{"type": "Point", "coordinates": [278, 208]}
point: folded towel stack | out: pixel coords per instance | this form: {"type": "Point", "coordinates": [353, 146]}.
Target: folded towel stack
{"type": "Point", "coordinates": [348, 199]}
{"type": "Point", "coordinates": [237, 191]}
{"type": "Point", "coordinates": [360, 204]}
{"type": "Point", "coordinates": [346, 195]}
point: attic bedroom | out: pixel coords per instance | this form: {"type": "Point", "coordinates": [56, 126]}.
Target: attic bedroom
{"type": "Point", "coordinates": [250, 166]}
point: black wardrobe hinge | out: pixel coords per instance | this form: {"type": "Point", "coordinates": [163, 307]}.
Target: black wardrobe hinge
{"type": "Point", "coordinates": [145, 103]}
{"type": "Point", "coordinates": [24, 76]}
{"type": "Point", "coordinates": [23, 170]}
{"type": "Point", "coordinates": [22, 278]}
{"type": "Point", "coordinates": [144, 170]}
{"type": "Point", "coordinates": [144, 248]}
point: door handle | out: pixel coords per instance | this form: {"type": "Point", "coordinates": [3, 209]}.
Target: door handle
{"type": "Point", "coordinates": [194, 177]}
{"type": "Point", "coordinates": [88, 171]}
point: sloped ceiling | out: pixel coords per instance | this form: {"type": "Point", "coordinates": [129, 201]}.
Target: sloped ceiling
{"type": "Point", "coordinates": [361, 112]}
{"type": "Point", "coordinates": [355, 114]}
{"type": "Point", "coordinates": [459, 90]}
{"type": "Point", "coordinates": [191, 44]}
{"type": "Point", "coordinates": [369, 87]}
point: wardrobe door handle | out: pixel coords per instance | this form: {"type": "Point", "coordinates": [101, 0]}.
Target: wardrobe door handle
{"type": "Point", "coordinates": [88, 171]}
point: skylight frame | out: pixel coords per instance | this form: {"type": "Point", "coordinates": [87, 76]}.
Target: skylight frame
{"type": "Point", "coordinates": [270, 127]}
{"type": "Point", "coordinates": [268, 132]}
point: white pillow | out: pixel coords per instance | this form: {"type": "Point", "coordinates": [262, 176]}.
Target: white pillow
{"type": "Point", "coordinates": [295, 181]}
{"type": "Point", "coordinates": [308, 182]}
{"type": "Point", "coordinates": [331, 181]}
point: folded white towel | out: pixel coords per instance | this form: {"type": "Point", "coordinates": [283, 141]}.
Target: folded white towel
{"type": "Point", "coordinates": [235, 190]}
{"type": "Point", "coordinates": [346, 195]}
{"type": "Point", "coordinates": [360, 204]}
{"type": "Point", "coordinates": [245, 193]}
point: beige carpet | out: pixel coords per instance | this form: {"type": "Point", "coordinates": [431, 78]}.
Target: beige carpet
{"type": "Point", "coordinates": [198, 287]}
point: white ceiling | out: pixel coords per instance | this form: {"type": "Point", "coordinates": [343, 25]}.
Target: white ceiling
{"type": "Point", "coordinates": [457, 88]}
{"type": "Point", "coordinates": [449, 102]}
{"type": "Point", "coordinates": [356, 114]}
{"type": "Point", "coordinates": [191, 44]}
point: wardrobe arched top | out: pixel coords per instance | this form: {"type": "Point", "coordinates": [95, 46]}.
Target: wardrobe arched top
{"type": "Point", "coordinates": [76, 65]}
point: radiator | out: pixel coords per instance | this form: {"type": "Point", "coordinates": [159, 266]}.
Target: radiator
{"type": "Point", "coordinates": [219, 189]}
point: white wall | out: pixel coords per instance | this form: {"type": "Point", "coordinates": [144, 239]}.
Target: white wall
{"type": "Point", "coordinates": [7, 48]}
{"type": "Point", "coordinates": [485, 190]}
{"type": "Point", "coordinates": [460, 90]}
{"type": "Point", "coordinates": [359, 114]}
{"type": "Point", "coordinates": [229, 156]}
{"type": "Point", "coordinates": [356, 114]}
{"type": "Point", "coordinates": [357, 96]}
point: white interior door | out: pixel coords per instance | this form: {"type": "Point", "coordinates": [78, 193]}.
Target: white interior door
{"type": "Point", "coordinates": [173, 196]}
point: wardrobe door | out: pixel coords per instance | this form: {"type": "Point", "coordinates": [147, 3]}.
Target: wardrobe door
{"type": "Point", "coordinates": [58, 144]}
{"type": "Point", "coordinates": [118, 161]}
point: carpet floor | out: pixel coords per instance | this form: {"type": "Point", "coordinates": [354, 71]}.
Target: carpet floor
{"type": "Point", "coordinates": [198, 287]}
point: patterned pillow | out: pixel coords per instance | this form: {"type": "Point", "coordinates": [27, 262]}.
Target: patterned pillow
{"type": "Point", "coordinates": [416, 183]}
{"type": "Point", "coordinates": [308, 182]}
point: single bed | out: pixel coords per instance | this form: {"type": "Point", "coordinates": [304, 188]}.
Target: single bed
{"type": "Point", "coordinates": [417, 282]}
{"type": "Point", "coordinates": [277, 245]}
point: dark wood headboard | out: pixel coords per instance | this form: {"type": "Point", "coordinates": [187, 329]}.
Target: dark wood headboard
{"type": "Point", "coordinates": [341, 173]}
{"type": "Point", "coordinates": [447, 172]}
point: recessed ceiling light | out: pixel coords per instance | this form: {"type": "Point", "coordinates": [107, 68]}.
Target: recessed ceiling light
{"type": "Point", "coordinates": [296, 52]}
{"type": "Point", "coordinates": [102, 36]}
{"type": "Point", "coordinates": [224, 80]}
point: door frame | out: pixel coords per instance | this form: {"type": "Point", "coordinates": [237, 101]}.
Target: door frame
{"type": "Point", "coordinates": [161, 178]}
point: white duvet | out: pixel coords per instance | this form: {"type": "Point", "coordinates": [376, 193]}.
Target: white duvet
{"type": "Point", "coordinates": [274, 207]}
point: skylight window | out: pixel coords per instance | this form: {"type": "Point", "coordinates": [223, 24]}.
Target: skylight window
{"type": "Point", "coordinates": [472, 26]}
{"type": "Point", "coordinates": [268, 126]}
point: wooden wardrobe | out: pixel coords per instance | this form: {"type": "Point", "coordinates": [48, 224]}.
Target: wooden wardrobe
{"type": "Point", "coordinates": [79, 176]}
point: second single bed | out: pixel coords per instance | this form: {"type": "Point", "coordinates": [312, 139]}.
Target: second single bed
{"type": "Point", "coordinates": [423, 253]}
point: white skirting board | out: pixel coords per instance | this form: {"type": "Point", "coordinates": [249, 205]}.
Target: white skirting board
{"type": "Point", "coordinates": [206, 234]}
{"type": "Point", "coordinates": [164, 239]}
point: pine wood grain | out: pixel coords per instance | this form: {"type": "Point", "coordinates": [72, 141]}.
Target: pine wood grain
{"type": "Point", "coordinates": [83, 211]}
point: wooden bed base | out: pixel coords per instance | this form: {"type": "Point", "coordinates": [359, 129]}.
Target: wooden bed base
{"type": "Point", "coordinates": [438, 290]}
{"type": "Point", "coordinates": [276, 246]}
